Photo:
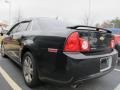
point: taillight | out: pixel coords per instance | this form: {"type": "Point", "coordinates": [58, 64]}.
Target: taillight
{"type": "Point", "coordinates": [84, 45]}
{"type": "Point", "coordinates": [72, 43]}
{"type": "Point", "coordinates": [75, 43]}
{"type": "Point", "coordinates": [112, 44]}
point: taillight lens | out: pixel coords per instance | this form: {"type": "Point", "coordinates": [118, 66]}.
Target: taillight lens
{"type": "Point", "coordinates": [112, 44]}
{"type": "Point", "coordinates": [84, 45]}
{"type": "Point", "coordinates": [72, 43]}
{"type": "Point", "coordinates": [76, 44]}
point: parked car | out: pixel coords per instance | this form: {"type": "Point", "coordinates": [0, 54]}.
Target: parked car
{"type": "Point", "coordinates": [116, 33]}
{"type": "Point", "coordinates": [2, 35]}
{"type": "Point", "coordinates": [52, 51]}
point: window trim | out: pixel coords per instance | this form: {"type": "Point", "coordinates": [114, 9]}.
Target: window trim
{"type": "Point", "coordinates": [8, 33]}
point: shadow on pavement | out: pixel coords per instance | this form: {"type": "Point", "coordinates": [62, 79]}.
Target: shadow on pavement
{"type": "Point", "coordinates": [108, 82]}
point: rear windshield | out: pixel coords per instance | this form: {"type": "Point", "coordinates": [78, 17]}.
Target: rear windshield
{"type": "Point", "coordinates": [49, 24]}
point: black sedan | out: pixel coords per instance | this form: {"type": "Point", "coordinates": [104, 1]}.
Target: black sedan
{"type": "Point", "coordinates": [52, 51]}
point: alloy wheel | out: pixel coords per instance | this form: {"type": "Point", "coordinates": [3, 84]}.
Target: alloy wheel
{"type": "Point", "coordinates": [28, 69]}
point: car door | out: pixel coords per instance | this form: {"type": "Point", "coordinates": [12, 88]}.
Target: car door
{"type": "Point", "coordinates": [18, 36]}
{"type": "Point", "coordinates": [8, 40]}
{"type": "Point", "coordinates": [15, 39]}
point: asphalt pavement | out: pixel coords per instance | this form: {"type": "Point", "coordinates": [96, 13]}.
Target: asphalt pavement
{"type": "Point", "coordinates": [11, 78]}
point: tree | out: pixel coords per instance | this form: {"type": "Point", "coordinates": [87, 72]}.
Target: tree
{"type": "Point", "coordinates": [18, 17]}
{"type": "Point", "coordinates": [86, 20]}
{"type": "Point", "coordinates": [106, 24]}
{"type": "Point", "coordinates": [116, 22]}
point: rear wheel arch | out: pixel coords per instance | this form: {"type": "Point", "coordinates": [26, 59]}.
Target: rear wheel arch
{"type": "Point", "coordinates": [31, 50]}
{"type": "Point", "coordinates": [24, 50]}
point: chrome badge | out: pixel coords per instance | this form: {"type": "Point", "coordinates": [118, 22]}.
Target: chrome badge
{"type": "Point", "coordinates": [102, 38]}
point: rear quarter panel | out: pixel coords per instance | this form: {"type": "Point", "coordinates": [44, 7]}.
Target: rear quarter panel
{"type": "Point", "coordinates": [39, 42]}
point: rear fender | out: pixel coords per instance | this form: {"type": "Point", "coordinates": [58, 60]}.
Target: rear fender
{"type": "Point", "coordinates": [28, 49]}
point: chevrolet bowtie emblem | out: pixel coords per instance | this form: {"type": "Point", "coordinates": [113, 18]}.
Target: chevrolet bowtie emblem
{"type": "Point", "coordinates": [102, 38]}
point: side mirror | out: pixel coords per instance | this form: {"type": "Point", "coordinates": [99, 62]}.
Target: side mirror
{"type": "Point", "coordinates": [4, 32]}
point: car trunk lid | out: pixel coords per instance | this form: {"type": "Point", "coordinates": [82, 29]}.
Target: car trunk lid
{"type": "Point", "coordinates": [99, 39]}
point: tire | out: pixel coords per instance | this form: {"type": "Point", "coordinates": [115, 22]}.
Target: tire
{"type": "Point", "coordinates": [30, 73]}
{"type": "Point", "coordinates": [3, 51]}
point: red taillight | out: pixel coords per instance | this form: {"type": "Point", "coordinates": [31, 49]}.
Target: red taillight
{"type": "Point", "coordinates": [72, 43]}
{"type": "Point", "coordinates": [112, 44]}
{"type": "Point", "coordinates": [76, 44]}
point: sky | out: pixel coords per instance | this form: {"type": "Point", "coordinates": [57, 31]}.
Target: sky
{"type": "Point", "coordinates": [75, 11]}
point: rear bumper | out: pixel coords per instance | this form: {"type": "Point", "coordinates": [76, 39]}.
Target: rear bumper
{"type": "Point", "coordinates": [77, 68]}
{"type": "Point", "coordinates": [94, 76]}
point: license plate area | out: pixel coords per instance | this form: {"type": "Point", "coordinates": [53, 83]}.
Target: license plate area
{"type": "Point", "coordinates": [105, 63]}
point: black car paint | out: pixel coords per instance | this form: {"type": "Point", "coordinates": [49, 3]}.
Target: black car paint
{"type": "Point", "coordinates": [56, 67]}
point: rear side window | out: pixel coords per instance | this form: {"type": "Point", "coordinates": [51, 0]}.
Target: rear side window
{"type": "Point", "coordinates": [23, 27]}
{"type": "Point", "coordinates": [15, 29]}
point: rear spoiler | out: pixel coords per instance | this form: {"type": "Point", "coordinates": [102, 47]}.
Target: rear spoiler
{"type": "Point", "coordinates": [87, 27]}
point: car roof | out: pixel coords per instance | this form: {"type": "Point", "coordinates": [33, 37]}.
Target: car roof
{"type": "Point", "coordinates": [35, 18]}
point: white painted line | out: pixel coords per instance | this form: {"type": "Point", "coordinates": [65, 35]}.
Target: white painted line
{"type": "Point", "coordinates": [10, 81]}
{"type": "Point", "coordinates": [117, 70]}
{"type": "Point", "coordinates": [118, 87]}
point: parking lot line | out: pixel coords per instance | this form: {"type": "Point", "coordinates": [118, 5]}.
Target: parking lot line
{"type": "Point", "coordinates": [117, 70]}
{"type": "Point", "coordinates": [10, 81]}
{"type": "Point", "coordinates": [118, 87]}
